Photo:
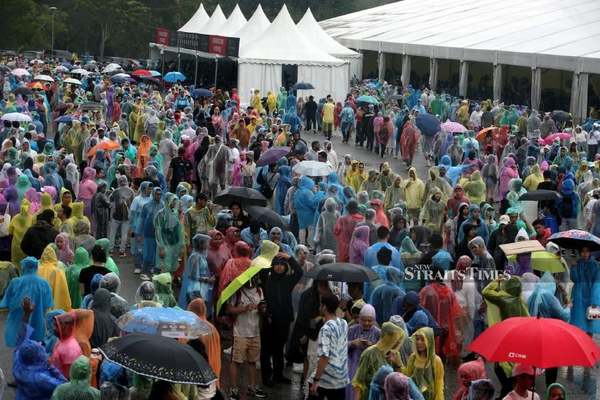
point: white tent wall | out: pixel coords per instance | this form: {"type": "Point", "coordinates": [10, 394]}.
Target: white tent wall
{"type": "Point", "coordinates": [356, 66]}
{"type": "Point", "coordinates": [331, 80]}
{"type": "Point", "coordinates": [264, 77]}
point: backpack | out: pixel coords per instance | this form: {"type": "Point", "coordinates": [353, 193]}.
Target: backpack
{"type": "Point", "coordinates": [566, 207]}
{"type": "Point", "coordinates": [121, 212]}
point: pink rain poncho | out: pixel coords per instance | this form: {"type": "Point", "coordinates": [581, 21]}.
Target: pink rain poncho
{"type": "Point", "coordinates": [359, 244]}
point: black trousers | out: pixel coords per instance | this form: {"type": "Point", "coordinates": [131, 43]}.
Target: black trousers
{"type": "Point", "coordinates": [329, 394]}
{"type": "Point", "coordinates": [273, 337]}
{"type": "Point", "coordinates": [311, 123]}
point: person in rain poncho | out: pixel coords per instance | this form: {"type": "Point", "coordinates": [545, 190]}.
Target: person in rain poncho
{"type": "Point", "coordinates": [585, 275]}
{"type": "Point", "coordinates": [169, 235]}
{"type": "Point", "coordinates": [35, 378]}
{"type": "Point", "coordinates": [425, 367]}
{"type": "Point", "coordinates": [81, 260]}
{"type": "Point", "coordinates": [38, 291]}
{"type": "Point", "coordinates": [534, 178]}
{"type": "Point", "coordinates": [305, 207]}
{"type": "Point", "coordinates": [145, 296]}
{"type": "Point", "coordinates": [62, 246]}
{"type": "Point", "coordinates": [164, 291]}
{"type": "Point", "coordinates": [77, 215]}
{"type": "Point", "coordinates": [489, 174]}
{"type": "Point", "coordinates": [414, 190]}
{"type": "Point", "coordinates": [87, 189]}
{"type": "Point", "coordinates": [213, 167]}
{"type": "Point", "coordinates": [383, 296]}
{"type": "Point", "coordinates": [105, 324]}
{"type": "Point", "coordinates": [475, 188]}
{"type": "Point", "coordinates": [394, 194]}
{"type": "Point", "coordinates": [432, 213]}
{"type": "Point", "coordinates": [198, 280]}
{"type": "Point", "coordinates": [101, 210]}
{"type": "Point", "coordinates": [19, 224]}
{"type": "Point", "coordinates": [50, 270]}
{"type": "Point", "coordinates": [381, 353]}
{"type": "Point", "coordinates": [507, 173]}
{"type": "Point", "coordinates": [66, 349]}
{"type": "Point", "coordinates": [324, 237]}
{"type": "Point", "coordinates": [112, 283]}
{"type": "Point", "coordinates": [436, 181]}
{"type": "Point", "coordinates": [359, 244]}
{"type": "Point", "coordinates": [148, 232]}
{"type": "Point", "coordinates": [212, 341]}
{"type": "Point", "coordinates": [360, 337]}
{"type": "Point", "coordinates": [284, 182]}
{"type": "Point", "coordinates": [467, 373]}
{"type": "Point", "coordinates": [79, 385]}
{"type": "Point", "coordinates": [110, 264]}
{"type": "Point", "coordinates": [22, 186]}
{"type": "Point", "coordinates": [239, 262]}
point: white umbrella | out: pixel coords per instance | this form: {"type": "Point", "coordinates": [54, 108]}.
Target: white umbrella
{"type": "Point", "coordinates": [36, 61]}
{"type": "Point", "coordinates": [111, 68]}
{"type": "Point", "coordinates": [45, 78]}
{"type": "Point", "coordinates": [61, 68]}
{"type": "Point", "coordinates": [15, 116]}
{"type": "Point", "coordinates": [121, 75]}
{"type": "Point", "coordinates": [73, 81]}
{"type": "Point", "coordinates": [80, 71]}
{"type": "Point", "coordinates": [20, 72]}
{"type": "Point", "coordinates": [312, 168]}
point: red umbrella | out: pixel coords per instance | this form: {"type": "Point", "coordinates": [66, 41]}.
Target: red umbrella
{"type": "Point", "coordinates": [142, 72]}
{"type": "Point", "coordinates": [537, 342]}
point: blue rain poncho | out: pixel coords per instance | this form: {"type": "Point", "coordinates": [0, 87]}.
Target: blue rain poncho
{"type": "Point", "coordinates": [586, 292]}
{"type": "Point", "coordinates": [371, 255]}
{"type": "Point", "coordinates": [543, 303]}
{"type": "Point", "coordinates": [169, 235]}
{"type": "Point", "coordinates": [384, 295]}
{"type": "Point", "coordinates": [197, 278]}
{"type": "Point", "coordinates": [304, 202]}
{"type": "Point", "coordinates": [38, 290]}
{"type": "Point", "coordinates": [135, 210]}
{"type": "Point", "coordinates": [283, 184]}
{"type": "Point", "coordinates": [35, 378]}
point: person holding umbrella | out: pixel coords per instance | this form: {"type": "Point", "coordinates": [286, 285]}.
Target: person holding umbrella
{"type": "Point", "coordinates": [524, 379]}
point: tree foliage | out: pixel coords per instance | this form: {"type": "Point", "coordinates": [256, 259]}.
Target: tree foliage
{"type": "Point", "coordinates": [124, 27]}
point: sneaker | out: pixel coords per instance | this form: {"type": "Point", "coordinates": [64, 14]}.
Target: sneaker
{"type": "Point", "coordinates": [234, 394]}
{"type": "Point", "coordinates": [256, 392]}
{"type": "Point", "coordinates": [227, 350]}
{"type": "Point", "coordinates": [137, 271]}
{"type": "Point", "coordinates": [144, 277]}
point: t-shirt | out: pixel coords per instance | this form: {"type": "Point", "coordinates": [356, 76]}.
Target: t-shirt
{"type": "Point", "coordinates": [247, 324]}
{"type": "Point", "coordinates": [180, 167]}
{"type": "Point", "coordinates": [86, 275]}
{"type": "Point", "coordinates": [332, 343]}
{"type": "Point", "coordinates": [515, 396]}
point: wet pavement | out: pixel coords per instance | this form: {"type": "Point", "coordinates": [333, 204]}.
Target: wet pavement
{"type": "Point", "coordinates": [130, 282]}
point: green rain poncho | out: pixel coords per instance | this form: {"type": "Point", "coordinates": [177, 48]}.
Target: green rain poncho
{"type": "Point", "coordinates": [374, 357]}
{"type": "Point", "coordinates": [81, 261]}
{"type": "Point", "coordinates": [110, 263]}
{"type": "Point", "coordinates": [169, 235]}
{"type": "Point", "coordinates": [17, 228]}
{"type": "Point", "coordinates": [79, 387]}
{"type": "Point", "coordinates": [164, 291]}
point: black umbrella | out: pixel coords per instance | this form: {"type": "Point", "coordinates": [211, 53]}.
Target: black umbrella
{"type": "Point", "coordinates": [540, 195]}
{"type": "Point", "coordinates": [266, 216]}
{"type": "Point", "coordinates": [342, 272]}
{"type": "Point", "coordinates": [561, 116]}
{"type": "Point", "coordinates": [23, 91]}
{"type": "Point", "coordinates": [159, 357]}
{"type": "Point", "coordinates": [242, 195]}
{"type": "Point", "coordinates": [303, 86]}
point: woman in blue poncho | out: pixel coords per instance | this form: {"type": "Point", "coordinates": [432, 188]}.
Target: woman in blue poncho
{"type": "Point", "coordinates": [284, 182]}
{"type": "Point", "coordinates": [197, 278]}
{"type": "Point", "coordinates": [305, 207]}
{"type": "Point", "coordinates": [585, 275]}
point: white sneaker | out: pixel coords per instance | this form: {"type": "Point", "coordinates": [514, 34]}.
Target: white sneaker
{"type": "Point", "coordinates": [298, 368]}
{"type": "Point", "coordinates": [144, 277]}
{"type": "Point", "coordinates": [137, 271]}
{"type": "Point", "coordinates": [227, 350]}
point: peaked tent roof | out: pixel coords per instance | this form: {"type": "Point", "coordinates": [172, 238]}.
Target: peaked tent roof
{"type": "Point", "coordinates": [311, 29]}
{"type": "Point", "coordinates": [252, 30]}
{"type": "Point", "coordinates": [234, 23]}
{"type": "Point", "coordinates": [198, 20]}
{"type": "Point", "coordinates": [282, 43]}
{"type": "Point", "coordinates": [214, 24]}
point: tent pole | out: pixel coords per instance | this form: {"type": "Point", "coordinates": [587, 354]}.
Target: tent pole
{"type": "Point", "coordinates": [216, 70]}
{"type": "Point", "coordinates": [196, 70]}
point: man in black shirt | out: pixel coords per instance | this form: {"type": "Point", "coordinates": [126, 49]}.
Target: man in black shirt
{"type": "Point", "coordinates": [310, 109]}
{"type": "Point", "coordinates": [179, 170]}
{"type": "Point", "coordinates": [97, 267]}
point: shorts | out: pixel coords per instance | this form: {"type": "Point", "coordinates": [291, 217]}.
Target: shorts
{"type": "Point", "coordinates": [245, 349]}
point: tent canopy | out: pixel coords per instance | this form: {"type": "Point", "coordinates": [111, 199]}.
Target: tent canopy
{"type": "Point", "coordinates": [282, 43]}
{"type": "Point", "coordinates": [197, 22]}
{"type": "Point", "coordinates": [537, 33]}
{"type": "Point", "coordinates": [214, 24]}
{"type": "Point", "coordinates": [234, 23]}
{"type": "Point", "coordinates": [255, 26]}
{"type": "Point", "coordinates": [311, 29]}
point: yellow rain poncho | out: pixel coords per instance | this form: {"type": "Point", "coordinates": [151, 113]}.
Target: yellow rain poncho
{"type": "Point", "coordinates": [414, 190]}
{"type": "Point", "coordinates": [475, 188]}
{"type": "Point", "coordinates": [533, 179]}
{"type": "Point", "coordinates": [50, 270]}
{"type": "Point", "coordinates": [17, 228]}
{"type": "Point", "coordinates": [427, 372]}
{"type": "Point", "coordinates": [374, 357]}
{"type": "Point", "coordinates": [271, 101]}
{"type": "Point", "coordinates": [77, 215]}
{"type": "Point", "coordinates": [255, 101]}
{"type": "Point", "coordinates": [356, 176]}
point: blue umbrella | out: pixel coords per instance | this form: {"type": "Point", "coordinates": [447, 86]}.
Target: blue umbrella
{"type": "Point", "coordinates": [367, 99]}
{"type": "Point", "coordinates": [576, 239]}
{"type": "Point", "coordinates": [155, 74]}
{"type": "Point", "coordinates": [174, 76]}
{"type": "Point", "coordinates": [170, 322]}
{"type": "Point", "coordinates": [428, 124]}
{"type": "Point", "coordinates": [67, 64]}
{"type": "Point", "coordinates": [201, 92]}
{"type": "Point", "coordinates": [64, 119]}
{"type": "Point", "coordinates": [303, 86]}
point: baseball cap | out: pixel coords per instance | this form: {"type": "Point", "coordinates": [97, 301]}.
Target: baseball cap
{"type": "Point", "coordinates": [504, 220]}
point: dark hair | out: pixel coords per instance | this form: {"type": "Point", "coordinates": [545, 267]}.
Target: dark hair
{"type": "Point", "coordinates": [98, 254]}
{"type": "Point", "coordinates": [331, 302]}
{"type": "Point", "coordinates": [352, 206]}
{"type": "Point", "coordinates": [382, 232]}
{"type": "Point", "coordinates": [46, 216]}
{"type": "Point", "coordinates": [201, 196]}
{"type": "Point", "coordinates": [384, 256]}
{"type": "Point", "coordinates": [538, 221]}
{"type": "Point", "coordinates": [254, 227]}
{"type": "Point", "coordinates": [548, 174]}
{"type": "Point", "coordinates": [436, 241]}
{"type": "Point", "coordinates": [67, 211]}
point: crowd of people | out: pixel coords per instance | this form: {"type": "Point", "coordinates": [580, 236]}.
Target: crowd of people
{"type": "Point", "coordinates": [99, 171]}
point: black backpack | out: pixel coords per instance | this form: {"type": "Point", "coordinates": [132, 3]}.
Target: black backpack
{"type": "Point", "coordinates": [566, 207]}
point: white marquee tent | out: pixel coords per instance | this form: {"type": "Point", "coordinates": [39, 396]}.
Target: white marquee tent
{"type": "Point", "coordinates": [197, 22]}
{"type": "Point", "coordinates": [255, 26]}
{"type": "Point", "coordinates": [214, 24]}
{"type": "Point", "coordinates": [282, 43]}
{"type": "Point", "coordinates": [234, 23]}
{"type": "Point", "coordinates": [311, 29]}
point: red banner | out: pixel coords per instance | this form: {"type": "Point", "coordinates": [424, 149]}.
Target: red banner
{"type": "Point", "coordinates": [161, 36]}
{"type": "Point", "coordinates": [217, 45]}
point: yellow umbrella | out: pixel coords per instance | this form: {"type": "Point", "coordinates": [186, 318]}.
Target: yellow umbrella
{"type": "Point", "coordinates": [544, 261]}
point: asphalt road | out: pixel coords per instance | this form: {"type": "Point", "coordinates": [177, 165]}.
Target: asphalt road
{"type": "Point", "coordinates": [130, 282]}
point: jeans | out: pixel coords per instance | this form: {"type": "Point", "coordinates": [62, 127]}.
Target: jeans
{"type": "Point", "coordinates": [346, 128]}
{"type": "Point", "coordinates": [124, 226]}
